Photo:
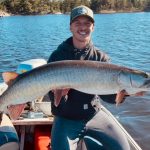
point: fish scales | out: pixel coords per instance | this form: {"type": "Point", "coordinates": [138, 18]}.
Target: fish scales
{"type": "Point", "coordinates": [86, 76]}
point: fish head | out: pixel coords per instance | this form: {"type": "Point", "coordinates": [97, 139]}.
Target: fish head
{"type": "Point", "coordinates": [140, 81]}
{"type": "Point", "coordinates": [133, 81]}
{"type": "Point", "coordinates": [146, 84]}
{"type": "Point", "coordinates": [137, 80]}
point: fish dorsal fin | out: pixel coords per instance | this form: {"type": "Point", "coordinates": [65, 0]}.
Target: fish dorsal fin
{"type": "Point", "coordinates": [9, 77]}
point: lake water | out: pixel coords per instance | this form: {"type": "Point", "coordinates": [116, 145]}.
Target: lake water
{"type": "Point", "coordinates": [125, 37]}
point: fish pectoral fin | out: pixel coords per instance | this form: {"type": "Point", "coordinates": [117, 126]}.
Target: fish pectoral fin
{"type": "Point", "coordinates": [141, 93]}
{"type": "Point", "coordinates": [9, 77]}
{"type": "Point", "coordinates": [58, 94]}
{"type": "Point", "coordinates": [15, 111]}
{"type": "Point", "coordinates": [120, 97]}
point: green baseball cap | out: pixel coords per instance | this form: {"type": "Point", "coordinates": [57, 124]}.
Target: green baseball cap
{"type": "Point", "coordinates": [81, 11]}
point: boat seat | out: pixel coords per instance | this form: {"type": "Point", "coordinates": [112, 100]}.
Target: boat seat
{"type": "Point", "coordinates": [10, 146]}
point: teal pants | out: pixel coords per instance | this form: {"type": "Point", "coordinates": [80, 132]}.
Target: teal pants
{"type": "Point", "coordinates": [67, 133]}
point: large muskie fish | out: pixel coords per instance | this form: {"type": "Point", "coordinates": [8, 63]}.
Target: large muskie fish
{"type": "Point", "coordinates": [86, 76]}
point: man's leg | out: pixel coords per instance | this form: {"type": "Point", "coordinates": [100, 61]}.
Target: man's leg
{"type": "Point", "coordinates": [105, 129]}
{"type": "Point", "coordinates": [65, 133]}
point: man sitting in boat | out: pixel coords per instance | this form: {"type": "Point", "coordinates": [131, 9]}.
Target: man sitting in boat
{"type": "Point", "coordinates": [79, 113]}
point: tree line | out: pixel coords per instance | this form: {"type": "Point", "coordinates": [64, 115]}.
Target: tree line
{"type": "Point", "coordinates": [27, 7]}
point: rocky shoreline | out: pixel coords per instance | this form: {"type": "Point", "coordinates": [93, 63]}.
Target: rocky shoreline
{"type": "Point", "coordinates": [119, 11]}
{"type": "Point", "coordinates": [4, 14]}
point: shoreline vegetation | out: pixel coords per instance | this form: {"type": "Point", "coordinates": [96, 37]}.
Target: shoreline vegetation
{"type": "Point", "coordinates": [43, 7]}
{"type": "Point", "coordinates": [6, 14]}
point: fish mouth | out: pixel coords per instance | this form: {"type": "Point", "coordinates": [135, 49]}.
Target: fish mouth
{"type": "Point", "coordinates": [148, 74]}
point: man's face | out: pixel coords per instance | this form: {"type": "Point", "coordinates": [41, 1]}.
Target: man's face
{"type": "Point", "coordinates": [81, 28]}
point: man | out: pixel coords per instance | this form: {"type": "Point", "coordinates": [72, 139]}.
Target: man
{"type": "Point", "coordinates": [74, 116]}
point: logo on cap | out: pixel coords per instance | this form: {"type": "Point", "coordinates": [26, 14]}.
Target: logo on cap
{"type": "Point", "coordinates": [82, 11]}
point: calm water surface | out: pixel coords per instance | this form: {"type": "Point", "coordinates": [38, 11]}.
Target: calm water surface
{"type": "Point", "coordinates": [125, 37]}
